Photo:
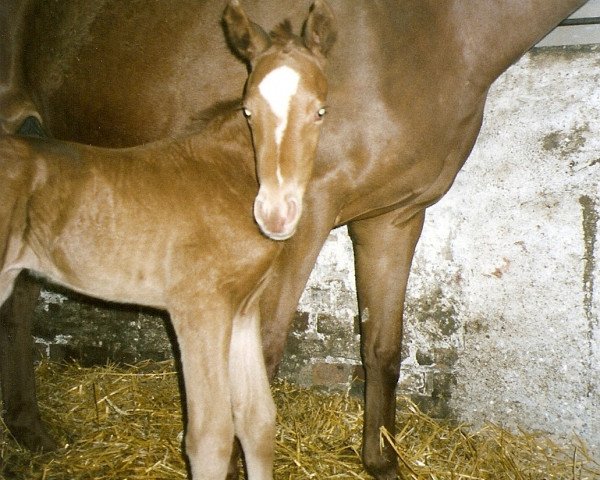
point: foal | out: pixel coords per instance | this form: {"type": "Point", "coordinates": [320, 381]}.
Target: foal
{"type": "Point", "coordinates": [170, 225]}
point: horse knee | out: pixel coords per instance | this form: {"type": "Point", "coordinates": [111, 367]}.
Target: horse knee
{"type": "Point", "coordinates": [383, 364]}
{"type": "Point", "coordinates": [255, 419]}
{"type": "Point", "coordinates": [209, 449]}
{"type": "Point", "coordinates": [261, 423]}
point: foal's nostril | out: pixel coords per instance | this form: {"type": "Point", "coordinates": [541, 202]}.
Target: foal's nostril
{"type": "Point", "coordinates": [292, 209]}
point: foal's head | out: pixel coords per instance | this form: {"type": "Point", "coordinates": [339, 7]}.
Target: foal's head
{"type": "Point", "coordinates": [284, 103]}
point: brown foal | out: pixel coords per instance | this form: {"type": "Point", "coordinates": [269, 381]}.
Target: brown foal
{"type": "Point", "coordinates": [170, 225]}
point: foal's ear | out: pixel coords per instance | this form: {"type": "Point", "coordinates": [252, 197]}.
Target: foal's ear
{"type": "Point", "coordinates": [320, 31]}
{"type": "Point", "coordinates": [246, 38]}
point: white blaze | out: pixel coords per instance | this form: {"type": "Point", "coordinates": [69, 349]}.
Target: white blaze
{"type": "Point", "coordinates": [277, 88]}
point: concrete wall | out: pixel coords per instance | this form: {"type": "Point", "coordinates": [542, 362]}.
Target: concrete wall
{"type": "Point", "coordinates": [502, 313]}
{"type": "Point", "coordinates": [528, 253]}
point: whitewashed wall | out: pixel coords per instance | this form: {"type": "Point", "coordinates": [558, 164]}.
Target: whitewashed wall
{"type": "Point", "coordinates": [504, 298]}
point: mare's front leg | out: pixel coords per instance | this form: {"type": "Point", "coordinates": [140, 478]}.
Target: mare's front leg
{"type": "Point", "coordinates": [203, 330]}
{"type": "Point", "coordinates": [253, 406]}
{"type": "Point", "coordinates": [383, 251]}
{"type": "Point", "coordinates": [291, 271]}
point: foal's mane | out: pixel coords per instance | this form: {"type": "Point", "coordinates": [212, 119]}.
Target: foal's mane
{"type": "Point", "coordinates": [214, 116]}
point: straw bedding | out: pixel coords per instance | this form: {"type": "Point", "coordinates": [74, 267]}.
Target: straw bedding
{"type": "Point", "coordinates": [125, 423]}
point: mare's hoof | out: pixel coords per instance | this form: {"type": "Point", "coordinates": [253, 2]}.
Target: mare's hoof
{"type": "Point", "coordinates": [384, 471]}
{"type": "Point", "coordinates": [36, 440]}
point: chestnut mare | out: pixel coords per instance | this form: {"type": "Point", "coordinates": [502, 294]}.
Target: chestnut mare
{"type": "Point", "coordinates": [408, 83]}
{"type": "Point", "coordinates": [169, 225]}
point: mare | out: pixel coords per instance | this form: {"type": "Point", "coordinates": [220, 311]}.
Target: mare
{"type": "Point", "coordinates": [169, 225]}
{"type": "Point", "coordinates": [408, 83]}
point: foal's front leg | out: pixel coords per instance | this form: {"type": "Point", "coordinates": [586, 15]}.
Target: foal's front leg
{"type": "Point", "coordinates": [204, 336]}
{"type": "Point", "coordinates": [253, 406]}
{"type": "Point", "coordinates": [383, 250]}
{"type": "Point", "coordinates": [17, 378]}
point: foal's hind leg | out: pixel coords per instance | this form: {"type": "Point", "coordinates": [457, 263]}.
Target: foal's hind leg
{"type": "Point", "coordinates": [253, 406]}
{"type": "Point", "coordinates": [203, 339]}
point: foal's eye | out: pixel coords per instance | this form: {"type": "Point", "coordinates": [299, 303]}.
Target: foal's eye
{"type": "Point", "coordinates": [247, 113]}
{"type": "Point", "coordinates": [321, 113]}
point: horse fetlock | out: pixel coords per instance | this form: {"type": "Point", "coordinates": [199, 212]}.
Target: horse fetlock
{"type": "Point", "coordinates": [30, 433]}
{"type": "Point", "coordinates": [380, 466]}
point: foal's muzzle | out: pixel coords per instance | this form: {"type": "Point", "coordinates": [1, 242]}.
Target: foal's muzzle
{"type": "Point", "coordinates": [277, 215]}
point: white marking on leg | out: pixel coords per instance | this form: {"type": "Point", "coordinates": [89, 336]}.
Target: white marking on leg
{"type": "Point", "coordinates": [277, 88]}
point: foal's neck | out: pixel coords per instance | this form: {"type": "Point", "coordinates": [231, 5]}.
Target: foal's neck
{"type": "Point", "coordinates": [221, 122]}
{"type": "Point", "coordinates": [223, 128]}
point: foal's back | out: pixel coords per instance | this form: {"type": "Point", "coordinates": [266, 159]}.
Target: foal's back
{"type": "Point", "coordinates": [133, 225]}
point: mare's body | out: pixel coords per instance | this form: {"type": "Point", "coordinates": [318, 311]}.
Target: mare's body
{"type": "Point", "coordinates": [406, 101]}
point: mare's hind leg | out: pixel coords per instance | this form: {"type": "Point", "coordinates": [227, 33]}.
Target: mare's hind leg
{"type": "Point", "coordinates": [203, 337]}
{"type": "Point", "coordinates": [253, 406]}
{"type": "Point", "coordinates": [17, 380]}
{"type": "Point", "coordinates": [22, 416]}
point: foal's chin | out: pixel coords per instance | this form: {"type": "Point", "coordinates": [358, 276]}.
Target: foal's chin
{"type": "Point", "coordinates": [279, 236]}
{"type": "Point", "coordinates": [277, 230]}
